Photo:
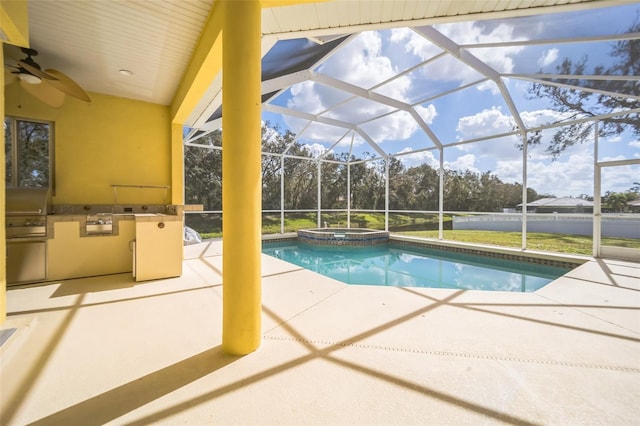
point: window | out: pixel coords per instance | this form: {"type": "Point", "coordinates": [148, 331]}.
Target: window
{"type": "Point", "coordinates": [28, 147]}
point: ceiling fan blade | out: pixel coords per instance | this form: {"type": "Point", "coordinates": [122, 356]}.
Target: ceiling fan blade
{"type": "Point", "coordinates": [67, 85]}
{"type": "Point", "coordinates": [35, 71]}
{"type": "Point", "coordinates": [44, 92]}
{"type": "Point", "coordinates": [9, 77]}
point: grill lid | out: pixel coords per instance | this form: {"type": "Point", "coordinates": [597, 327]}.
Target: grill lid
{"type": "Point", "coordinates": [23, 201]}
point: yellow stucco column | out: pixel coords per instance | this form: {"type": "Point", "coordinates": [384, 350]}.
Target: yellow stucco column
{"type": "Point", "coordinates": [177, 164]}
{"type": "Point", "coordinates": [241, 177]}
{"type": "Point", "coordinates": [3, 246]}
{"type": "Point", "coordinates": [14, 25]}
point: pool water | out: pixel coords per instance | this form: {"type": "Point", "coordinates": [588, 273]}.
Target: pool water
{"type": "Point", "coordinates": [407, 266]}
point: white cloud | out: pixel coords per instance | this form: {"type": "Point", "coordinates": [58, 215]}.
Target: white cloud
{"type": "Point", "coordinates": [548, 57]}
{"type": "Point", "coordinates": [562, 178]}
{"type": "Point", "coordinates": [542, 117]}
{"type": "Point", "coordinates": [463, 163]}
{"type": "Point", "coordinates": [485, 123]}
{"type": "Point", "coordinates": [613, 139]}
{"type": "Point", "coordinates": [428, 114]}
{"type": "Point", "coordinates": [616, 158]}
{"type": "Point", "coordinates": [398, 88]}
{"type": "Point", "coordinates": [444, 69]}
{"type": "Point", "coordinates": [488, 86]}
{"type": "Point", "coordinates": [305, 97]}
{"type": "Point", "coordinates": [488, 151]}
{"type": "Point", "coordinates": [358, 110]}
{"type": "Point", "coordinates": [474, 32]}
{"type": "Point", "coordinates": [635, 144]}
{"type": "Point", "coordinates": [509, 171]}
{"type": "Point", "coordinates": [315, 132]}
{"type": "Point", "coordinates": [361, 62]}
{"type": "Point", "coordinates": [414, 43]}
{"type": "Point", "coordinates": [620, 178]}
{"type": "Point", "coordinates": [449, 69]}
{"type": "Point", "coordinates": [493, 121]}
{"type": "Point", "coordinates": [315, 149]}
{"type": "Point", "coordinates": [418, 158]}
{"type": "Point", "coordinates": [398, 126]}
{"type": "Point", "coordinates": [399, 35]}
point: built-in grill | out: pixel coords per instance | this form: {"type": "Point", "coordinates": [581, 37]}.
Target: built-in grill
{"type": "Point", "coordinates": [26, 210]}
{"type": "Point", "coordinates": [26, 233]}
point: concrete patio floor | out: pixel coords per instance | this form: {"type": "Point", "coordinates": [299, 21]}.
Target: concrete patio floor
{"type": "Point", "coordinates": [107, 350]}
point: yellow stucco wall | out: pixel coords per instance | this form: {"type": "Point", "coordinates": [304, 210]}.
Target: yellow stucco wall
{"type": "Point", "coordinates": [14, 22]}
{"type": "Point", "coordinates": [109, 141]}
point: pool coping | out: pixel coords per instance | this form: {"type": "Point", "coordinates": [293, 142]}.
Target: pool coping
{"type": "Point", "coordinates": [506, 253]}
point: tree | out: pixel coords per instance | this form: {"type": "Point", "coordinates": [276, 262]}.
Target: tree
{"type": "Point", "coordinates": [617, 202]}
{"type": "Point", "coordinates": [333, 184]}
{"type": "Point", "coordinates": [413, 188]}
{"type": "Point", "coordinates": [577, 103]}
{"type": "Point", "coordinates": [367, 183]}
{"type": "Point", "coordinates": [300, 184]}
{"type": "Point", "coordinates": [273, 141]}
{"type": "Point", "coordinates": [426, 182]}
{"type": "Point", "coordinates": [32, 153]}
{"type": "Point", "coordinates": [203, 173]}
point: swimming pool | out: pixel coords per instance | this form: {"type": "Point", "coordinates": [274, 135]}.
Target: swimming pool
{"type": "Point", "coordinates": [399, 265]}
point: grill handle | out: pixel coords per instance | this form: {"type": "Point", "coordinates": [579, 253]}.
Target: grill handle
{"type": "Point", "coordinates": [24, 212]}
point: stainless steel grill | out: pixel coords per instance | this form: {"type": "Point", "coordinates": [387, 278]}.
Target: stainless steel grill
{"type": "Point", "coordinates": [26, 210]}
{"type": "Point", "coordinates": [26, 233]}
{"type": "Point", "coordinates": [26, 227]}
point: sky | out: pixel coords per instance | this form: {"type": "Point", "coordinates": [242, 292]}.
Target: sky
{"type": "Point", "coordinates": [372, 58]}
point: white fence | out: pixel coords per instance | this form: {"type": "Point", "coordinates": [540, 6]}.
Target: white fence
{"type": "Point", "coordinates": [613, 225]}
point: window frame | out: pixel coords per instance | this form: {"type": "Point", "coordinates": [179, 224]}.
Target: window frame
{"type": "Point", "coordinates": [13, 124]}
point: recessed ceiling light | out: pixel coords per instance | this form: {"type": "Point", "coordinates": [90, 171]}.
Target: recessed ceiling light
{"type": "Point", "coordinates": [126, 72]}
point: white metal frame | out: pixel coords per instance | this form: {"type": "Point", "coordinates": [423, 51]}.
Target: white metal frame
{"type": "Point", "coordinates": [449, 47]}
{"type": "Point", "coordinates": [599, 249]}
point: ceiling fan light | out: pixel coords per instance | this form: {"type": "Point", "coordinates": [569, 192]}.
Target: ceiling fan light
{"type": "Point", "coordinates": [29, 78]}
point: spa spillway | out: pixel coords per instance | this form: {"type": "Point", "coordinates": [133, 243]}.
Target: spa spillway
{"type": "Point", "coordinates": [343, 236]}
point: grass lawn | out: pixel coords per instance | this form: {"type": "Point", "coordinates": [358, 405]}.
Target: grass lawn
{"type": "Point", "coordinates": [292, 222]}
{"type": "Point", "coordinates": [418, 225]}
{"type": "Point", "coordinates": [573, 244]}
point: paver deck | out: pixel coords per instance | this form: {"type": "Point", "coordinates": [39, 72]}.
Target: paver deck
{"type": "Point", "coordinates": [107, 350]}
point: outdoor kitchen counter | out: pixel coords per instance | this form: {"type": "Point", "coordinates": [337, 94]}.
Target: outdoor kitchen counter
{"type": "Point", "coordinates": [117, 218]}
{"type": "Point", "coordinates": [74, 253]}
{"type": "Point", "coordinates": [158, 246]}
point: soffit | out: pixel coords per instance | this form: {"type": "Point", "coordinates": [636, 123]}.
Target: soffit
{"type": "Point", "coordinates": [349, 16]}
{"type": "Point", "coordinates": [91, 41]}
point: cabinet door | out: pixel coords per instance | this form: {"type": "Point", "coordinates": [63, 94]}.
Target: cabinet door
{"type": "Point", "coordinates": [158, 250]}
{"type": "Point", "coordinates": [26, 262]}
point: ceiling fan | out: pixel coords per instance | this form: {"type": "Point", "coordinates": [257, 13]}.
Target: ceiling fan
{"type": "Point", "coordinates": [49, 86]}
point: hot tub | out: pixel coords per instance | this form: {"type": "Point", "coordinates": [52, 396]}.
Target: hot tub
{"type": "Point", "coordinates": [343, 236]}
